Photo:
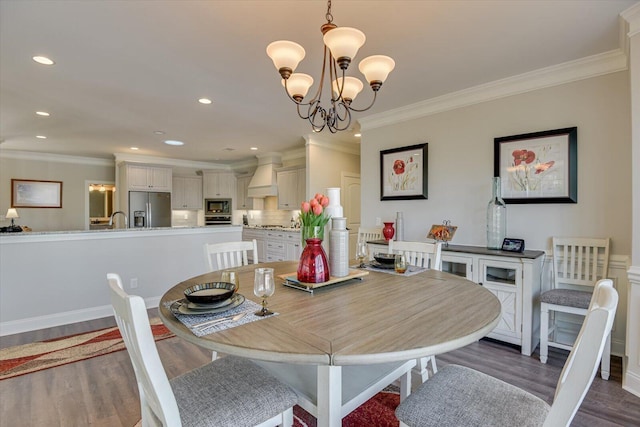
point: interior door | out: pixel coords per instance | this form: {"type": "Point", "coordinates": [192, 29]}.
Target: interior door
{"type": "Point", "coordinates": [351, 205]}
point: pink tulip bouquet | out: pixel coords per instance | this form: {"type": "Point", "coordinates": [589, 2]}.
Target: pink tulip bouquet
{"type": "Point", "coordinates": [313, 217]}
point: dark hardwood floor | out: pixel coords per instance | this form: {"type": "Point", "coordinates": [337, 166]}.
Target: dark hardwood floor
{"type": "Point", "coordinates": [102, 391]}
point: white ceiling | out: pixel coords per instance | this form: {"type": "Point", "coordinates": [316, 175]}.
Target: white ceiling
{"type": "Point", "coordinates": [125, 69]}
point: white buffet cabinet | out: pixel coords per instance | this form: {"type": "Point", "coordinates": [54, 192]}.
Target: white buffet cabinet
{"type": "Point", "coordinates": [514, 278]}
{"type": "Point", "coordinates": [275, 244]}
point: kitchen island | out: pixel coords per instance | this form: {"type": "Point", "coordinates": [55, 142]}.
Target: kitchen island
{"type": "Point", "coordinates": [54, 278]}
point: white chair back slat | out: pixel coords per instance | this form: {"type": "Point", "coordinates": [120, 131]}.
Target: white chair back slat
{"type": "Point", "coordinates": [368, 234]}
{"type": "Point", "coordinates": [230, 254]}
{"type": "Point", "coordinates": [421, 254]}
{"type": "Point", "coordinates": [579, 262]}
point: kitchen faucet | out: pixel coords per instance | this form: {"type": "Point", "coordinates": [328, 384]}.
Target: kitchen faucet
{"type": "Point", "coordinates": [126, 223]}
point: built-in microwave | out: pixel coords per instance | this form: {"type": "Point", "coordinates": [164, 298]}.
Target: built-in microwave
{"type": "Point", "coordinates": [217, 206]}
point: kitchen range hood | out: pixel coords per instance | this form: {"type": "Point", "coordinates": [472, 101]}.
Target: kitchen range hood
{"type": "Point", "coordinates": [264, 183]}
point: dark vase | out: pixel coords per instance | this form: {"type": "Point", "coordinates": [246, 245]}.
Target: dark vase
{"type": "Point", "coordinates": [313, 266]}
{"type": "Point", "coordinates": [388, 231]}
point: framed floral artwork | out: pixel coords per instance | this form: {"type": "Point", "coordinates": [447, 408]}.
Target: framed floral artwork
{"type": "Point", "coordinates": [539, 167]}
{"type": "Point", "coordinates": [403, 173]}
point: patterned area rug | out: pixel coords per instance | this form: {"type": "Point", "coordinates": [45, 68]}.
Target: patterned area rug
{"type": "Point", "coordinates": [24, 359]}
{"type": "Point", "coordinates": [379, 411]}
{"type": "Point", "coordinates": [32, 357]}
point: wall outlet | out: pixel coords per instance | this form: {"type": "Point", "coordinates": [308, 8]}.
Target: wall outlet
{"type": "Point", "coordinates": [378, 221]}
{"type": "Point", "coordinates": [133, 283]}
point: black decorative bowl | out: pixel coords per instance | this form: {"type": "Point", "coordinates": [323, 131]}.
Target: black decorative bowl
{"type": "Point", "coordinates": [208, 293]}
{"type": "Point", "coordinates": [384, 259]}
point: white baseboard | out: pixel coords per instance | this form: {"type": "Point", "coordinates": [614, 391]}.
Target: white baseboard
{"type": "Point", "coordinates": [65, 318]}
{"type": "Point", "coordinates": [631, 382]}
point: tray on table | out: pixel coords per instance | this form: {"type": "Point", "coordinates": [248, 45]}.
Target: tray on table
{"type": "Point", "coordinates": [291, 280]}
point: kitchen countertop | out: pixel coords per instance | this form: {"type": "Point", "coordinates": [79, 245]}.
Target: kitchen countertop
{"type": "Point", "coordinates": [32, 236]}
{"type": "Point", "coordinates": [260, 227]}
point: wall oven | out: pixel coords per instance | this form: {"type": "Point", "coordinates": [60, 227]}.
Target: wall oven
{"type": "Point", "coordinates": [217, 211]}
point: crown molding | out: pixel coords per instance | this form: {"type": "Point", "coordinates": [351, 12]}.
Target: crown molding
{"type": "Point", "coordinates": [632, 16]}
{"type": "Point", "coordinates": [56, 158]}
{"type": "Point", "coordinates": [332, 144]}
{"type": "Point", "coordinates": [164, 161]}
{"type": "Point", "coordinates": [584, 68]}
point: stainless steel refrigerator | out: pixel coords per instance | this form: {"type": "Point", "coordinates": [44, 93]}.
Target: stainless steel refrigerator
{"type": "Point", "coordinates": [149, 209]}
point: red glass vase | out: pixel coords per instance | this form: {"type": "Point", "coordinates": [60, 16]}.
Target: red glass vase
{"type": "Point", "coordinates": [313, 266]}
{"type": "Point", "coordinates": [388, 231]}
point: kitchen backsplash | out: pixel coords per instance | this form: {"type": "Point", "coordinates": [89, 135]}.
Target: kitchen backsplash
{"type": "Point", "coordinates": [272, 217]}
{"type": "Point", "coordinates": [184, 218]}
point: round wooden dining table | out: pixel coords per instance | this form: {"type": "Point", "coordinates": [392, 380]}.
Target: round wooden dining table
{"type": "Point", "coordinates": [343, 343]}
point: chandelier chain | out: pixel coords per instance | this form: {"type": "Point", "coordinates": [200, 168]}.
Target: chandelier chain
{"type": "Point", "coordinates": [329, 16]}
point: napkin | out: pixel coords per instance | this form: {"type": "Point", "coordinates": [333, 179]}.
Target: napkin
{"type": "Point", "coordinates": [190, 320]}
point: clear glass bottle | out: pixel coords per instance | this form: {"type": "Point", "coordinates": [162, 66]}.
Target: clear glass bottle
{"type": "Point", "coordinates": [496, 217]}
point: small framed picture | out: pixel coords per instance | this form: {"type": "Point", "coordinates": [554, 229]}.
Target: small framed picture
{"type": "Point", "coordinates": [28, 193]}
{"type": "Point", "coordinates": [403, 173]}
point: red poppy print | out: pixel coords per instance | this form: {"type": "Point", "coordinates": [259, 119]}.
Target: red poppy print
{"type": "Point", "coordinates": [398, 167]}
{"type": "Point", "coordinates": [525, 156]}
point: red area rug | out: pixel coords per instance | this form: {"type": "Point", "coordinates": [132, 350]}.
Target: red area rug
{"type": "Point", "coordinates": [379, 411]}
{"type": "Point", "coordinates": [32, 357]}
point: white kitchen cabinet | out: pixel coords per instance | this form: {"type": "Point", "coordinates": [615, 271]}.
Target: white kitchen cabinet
{"type": "Point", "coordinates": [148, 178]}
{"type": "Point", "coordinates": [242, 200]}
{"type": "Point", "coordinates": [274, 246]}
{"type": "Point", "coordinates": [292, 245]}
{"type": "Point", "coordinates": [514, 278]}
{"type": "Point", "coordinates": [217, 184]}
{"type": "Point", "coordinates": [249, 234]}
{"type": "Point", "coordinates": [291, 188]}
{"type": "Point", "coordinates": [187, 193]}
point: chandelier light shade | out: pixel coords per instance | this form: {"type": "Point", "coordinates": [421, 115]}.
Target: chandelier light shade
{"type": "Point", "coordinates": [341, 45]}
{"type": "Point", "coordinates": [350, 89]}
{"type": "Point", "coordinates": [298, 85]}
{"type": "Point", "coordinates": [285, 55]}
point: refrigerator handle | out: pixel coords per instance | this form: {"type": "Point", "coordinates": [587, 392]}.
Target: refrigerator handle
{"type": "Point", "coordinates": [150, 221]}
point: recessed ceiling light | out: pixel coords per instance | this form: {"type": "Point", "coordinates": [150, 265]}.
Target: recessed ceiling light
{"type": "Point", "coordinates": [173, 142]}
{"type": "Point", "coordinates": [43, 113]}
{"type": "Point", "coordinates": [254, 148]}
{"type": "Point", "coordinates": [357, 135]}
{"type": "Point", "coordinates": [159, 132]}
{"type": "Point", "coordinates": [134, 148]}
{"type": "Point", "coordinates": [41, 137]}
{"type": "Point", "coordinates": [43, 60]}
{"type": "Point", "coordinates": [204, 101]}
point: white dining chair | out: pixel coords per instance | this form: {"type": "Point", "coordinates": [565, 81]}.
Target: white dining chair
{"type": "Point", "coordinates": [220, 256]}
{"type": "Point", "coordinates": [578, 263]}
{"type": "Point", "coordinates": [422, 254]}
{"type": "Point", "coordinates": [426, 255]}
{"type": "Point", "coordinates": [367, 234]}
{"type": "Point", "coordinates": [459, 396]}
{"type": "Point", "coordinates": [230, 391]}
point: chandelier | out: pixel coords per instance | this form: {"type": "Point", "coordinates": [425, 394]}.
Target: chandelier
{"type": "Point", "coordinates": [341, 45]}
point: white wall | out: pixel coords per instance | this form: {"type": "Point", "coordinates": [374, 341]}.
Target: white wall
{"type": "Point", "coordinates": [72, 171]}
{"type": "Point", "coordinates": [326, 161]}
{"type": "Point", "coordinates": [461, 165]}
{"type": "Point", "coordinates": [58, 278]}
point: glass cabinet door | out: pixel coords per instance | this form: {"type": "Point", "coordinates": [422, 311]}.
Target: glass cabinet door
{"type": "Point", "coordinates": [458, 265]}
